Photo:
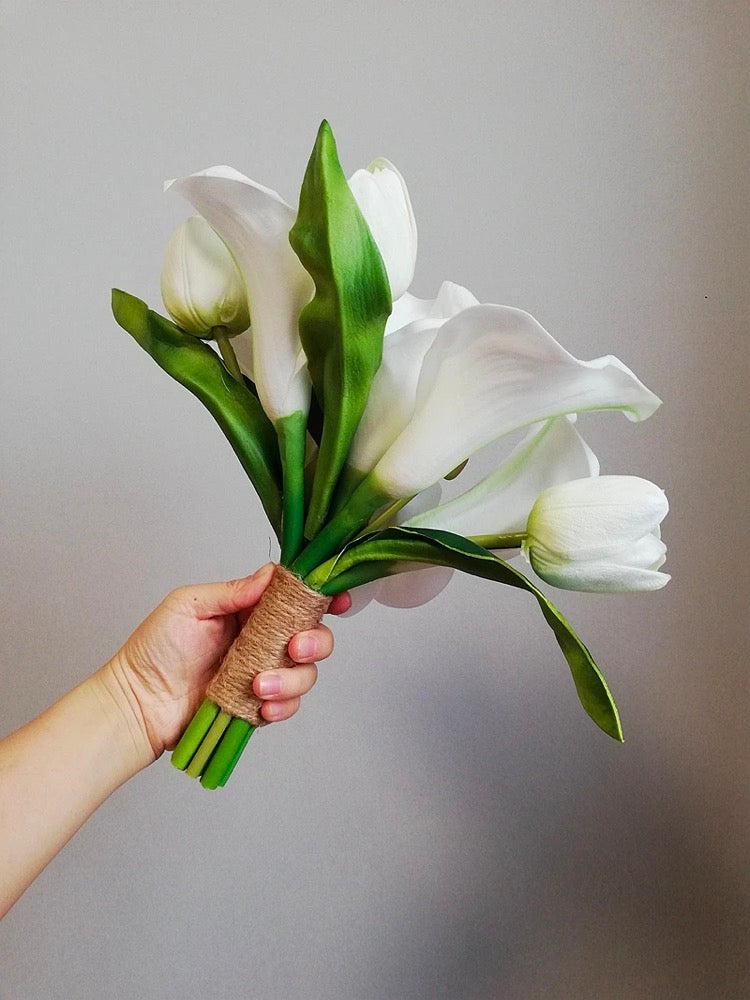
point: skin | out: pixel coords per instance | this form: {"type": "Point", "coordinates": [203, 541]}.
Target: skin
{"type": "Point", "coordinates": [59, 768]}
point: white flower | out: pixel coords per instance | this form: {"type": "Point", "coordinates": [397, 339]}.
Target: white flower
{"type": "Point", "coordinates": [383, 199]}
{"type": "Point", "coordinates": [254, 222]}
{"type": "Point", "coordinates": [200, 283]}
{"type": "Point", "coordinates": [393, 392]}
{"type": "Point", "coordinates": [599, 534]}
{"type": "Point", "coordinates": [490, 370]}
{"type": "Point", "coordinates": [552, 452]}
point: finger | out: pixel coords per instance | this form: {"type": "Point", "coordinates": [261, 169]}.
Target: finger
{"type": "Point", "coordinates": [281, 685]}
{"type": "Point", "coordinates": [207, 600]}
{"type": "Point", "coordinates": [314, 644]}
{"type": "Point", "coordinates": [340, 603]}
{"type": "Point", "coordinates": [278, 711]}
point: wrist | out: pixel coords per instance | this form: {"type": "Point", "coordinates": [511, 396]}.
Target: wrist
{"type": "Point", "coordinates": [122, 708]}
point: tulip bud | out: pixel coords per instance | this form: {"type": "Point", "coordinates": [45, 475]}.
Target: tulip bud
{"type": "Point", "coordinates": [598, 534]}
{"type": "Point", "coordinates": [383, 199]}
{"type": "Point", "coordinates": [201, 285]}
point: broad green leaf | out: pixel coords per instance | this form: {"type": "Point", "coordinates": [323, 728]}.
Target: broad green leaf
{"type": "Point", "coordinates": [341, 329]}
{"type": "Point", "coordinates": [234, 407]}
{"type": "Point", "coordinates": [373, 556]}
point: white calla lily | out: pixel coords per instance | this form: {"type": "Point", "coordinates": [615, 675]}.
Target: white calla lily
{"type": "Point", "coordinates": [552, 452]}
{"type": "Point", "coordinates": [450, 299]}
{"type": "Point", "coordinates": [200, 284]}
{"type": "Point", "coordinates": [393, 392]}
{"type": "Point", "coordinates": [383, 199]}
{"type": "Point", "coordinates": [599, 534]}
{"type": "Point", "coordinates": [490, 370]}
{"type": "Point", "coordinates": [254, 222]}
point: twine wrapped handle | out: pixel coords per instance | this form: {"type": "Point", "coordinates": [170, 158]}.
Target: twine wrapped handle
{"type": "Point", "coordinates": [287, 606]}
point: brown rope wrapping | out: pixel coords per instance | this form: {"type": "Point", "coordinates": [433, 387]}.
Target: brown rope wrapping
{"type": "Point", "coordinates": [287, 606]}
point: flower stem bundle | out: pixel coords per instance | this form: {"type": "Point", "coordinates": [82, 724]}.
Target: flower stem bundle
{"type": "Point", "coordinates": [351, 403]}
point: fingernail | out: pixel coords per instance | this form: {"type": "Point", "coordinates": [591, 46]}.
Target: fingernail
{"type": "Point", "coordinates": [305, 646]}
{"type": "Point", "coordinates": [269, 684]}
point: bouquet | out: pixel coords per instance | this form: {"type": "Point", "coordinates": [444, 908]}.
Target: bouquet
{"type": "Point", "coordinates": [349, 401]}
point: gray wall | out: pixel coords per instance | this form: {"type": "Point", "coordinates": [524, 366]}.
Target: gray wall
{"type": "Point", "coordinates": [441, 820]}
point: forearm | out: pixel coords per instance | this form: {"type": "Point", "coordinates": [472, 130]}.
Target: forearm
{"type": "Point", "coordinates": [57, 770]}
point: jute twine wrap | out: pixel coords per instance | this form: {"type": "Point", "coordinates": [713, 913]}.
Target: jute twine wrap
{"type": "Point", "coordinates": [288, 606]}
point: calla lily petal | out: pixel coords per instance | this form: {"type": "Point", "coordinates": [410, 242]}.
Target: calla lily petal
{"type": "Point", "coordinates": [393, 391]}
{"type": "Point", "coordinates": [254, 222]}
{"type": "Point", "coordinates": [490, 370]}
{"type": "Point", "coordinates": [552, 452]}
{"type": "Point", "coordinates": [383, 199]}
{"type": "Point", "coordinates": [450, 299]}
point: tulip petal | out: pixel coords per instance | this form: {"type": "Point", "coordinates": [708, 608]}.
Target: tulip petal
{"type": "Point", "coordinates": [605, 577]}
{"type": "Point", "coordinates": [383, 199]}
{"type": "Point", "coordinates": [201, 286]}
{"type": "Point", "coordinates": [552, 452]}
{"type": "Point", "coordinates": [490, 370]}
{"type": "Point", "coordinates": [578, 522]}
{"type": "Point", "coordinates": [254, 222]}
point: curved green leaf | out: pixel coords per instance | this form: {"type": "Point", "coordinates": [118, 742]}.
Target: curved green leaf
{"type": "Point", "coordinates": [341, 329]}
{"type": "Point", "coordinates": [234, 406]}
{"type": "Point", "coordinates": [373, 556]}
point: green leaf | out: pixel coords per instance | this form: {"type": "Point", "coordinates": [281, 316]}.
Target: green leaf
{"type": "Point", "coordinates": [341, 329]}
{"type": "Point", "coordinates": [374, 556]}
{"type": "Point", "coordinates": [234, 406]}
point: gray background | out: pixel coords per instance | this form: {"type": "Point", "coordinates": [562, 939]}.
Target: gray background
{"type": "Point", "coordinates": [441, 820]}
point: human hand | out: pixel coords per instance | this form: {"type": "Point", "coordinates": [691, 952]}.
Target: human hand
{"type": "Point", "coordinates": [163, 669]}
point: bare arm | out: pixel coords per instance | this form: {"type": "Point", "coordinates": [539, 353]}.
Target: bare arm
{"type": "Point", "coordinates": [58, 769]}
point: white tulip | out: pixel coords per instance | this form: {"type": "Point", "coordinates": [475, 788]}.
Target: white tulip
{"type": "Point", "coordinates": [599, 534]}
{"type": "Point", "coordinates": [490, 370]}
{"type": "Point", "coordinates": [552, 452]}
{"type": "Point", "coordinates": [200, 283]}
{"type": "Point", "coordinates": [254, 222]}
{"type": "Point", "coordinates": [383, 200]}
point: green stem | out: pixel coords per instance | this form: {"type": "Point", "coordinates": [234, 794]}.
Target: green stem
{"type": "Point", "coordinates": [193, 736]}
{"type": "Point", "coordinates": [221, 337]}
{"type": "Point", "coordinates": [291, 432]}
{"type": "Point", "coordinates": [227, 753]}
{"type": "Point", "coordinates": [510, 541]}
{"type": "Point", "coordinates": [207, 747]}
{"type": "Point", "coordinates": [230, 769]}
{"type": "Point", "coordinates": [385, 520]}
{"type": "Point", "coordinates": [360, 507]}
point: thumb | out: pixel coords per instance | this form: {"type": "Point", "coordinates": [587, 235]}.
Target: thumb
{"type": "Point", "coordinates": [209, 600]}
